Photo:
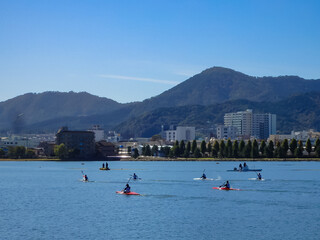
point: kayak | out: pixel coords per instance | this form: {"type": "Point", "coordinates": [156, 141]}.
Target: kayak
{"type": "Point", "coordinates": [130, 193]}
{"type": "Point", "coordinates": [244, 170]}
{"type": "Point", "coordinates": [257, 179]}
{"type": "Point", "coordinates": [204, 179]}
{"type": "Point", "coordinates": [104, 168]}
{"type": "Point", "coordinates": [224, 188]}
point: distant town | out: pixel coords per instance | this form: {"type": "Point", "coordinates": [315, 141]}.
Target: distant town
{"type": "Point", "coordinates": [243, 134]}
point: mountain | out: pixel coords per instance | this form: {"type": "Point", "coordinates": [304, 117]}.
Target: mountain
{"type": "Point", "coordinates": [50, 110]}
{"type": "Point", "coordinates": [217, 85]}
{"type": "Point", "coordinates": [32, 108]}
{"type": "Point", "coordinates": [298, 112]}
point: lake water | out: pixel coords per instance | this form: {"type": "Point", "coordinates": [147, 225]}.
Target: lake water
{"type": "Point", "coordinates": [47, 200]}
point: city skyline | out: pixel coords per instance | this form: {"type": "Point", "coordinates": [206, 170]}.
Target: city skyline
{"type": "Point", "coordinates": [129, 51]}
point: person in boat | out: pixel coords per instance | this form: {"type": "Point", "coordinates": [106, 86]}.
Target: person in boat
{"type": "Point", "coordinates": [102, 165]}
{"type": "Point", "coordinates": [135, 177]}
{"type": "Point", "coordinates": [226, 185]}
{"type": "Point", "coordinates": [259, 176]}
{"type": "Point", "coordinates": [240, 166]}
{"type": "Point", "coordinates": [244, 164]}
{"type": "Point", "coordinates": [127, 189]}
{"type": "Point", "coordinates": [107, 166]}
{"type": "Point", "coordinates": [204, 176]}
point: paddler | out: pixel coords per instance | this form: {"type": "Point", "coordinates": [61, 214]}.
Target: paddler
{"type": "Point", "coordinates": [240, 166]}
{"type": "Point", "coordinates": [259, 176]}
{"type": "Point", "coordinates": [204, 176]}
{"type": "Point", "coordinates": [102, 165]}
{"type": "Point", "coordinates": [135, 177]}
{"type": "Point", "coordinates": [85, 177]}
{"type": "Point", "coordinates": [127, 189]}
{"type": "Point", "coordinates": [226, 185]}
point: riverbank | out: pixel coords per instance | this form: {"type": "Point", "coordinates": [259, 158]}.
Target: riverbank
{"type": "Point", "coordinates": [29, 159]}
{"type": "Point", "coordinates": [177, 159]}
{"type": "Point", "coordinates": [222, 159]}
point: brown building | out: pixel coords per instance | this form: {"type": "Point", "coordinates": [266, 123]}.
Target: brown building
{"type": "Point", "coordinates": [80, 142]}
{"type": "Point", "coordinates": [105, 149]}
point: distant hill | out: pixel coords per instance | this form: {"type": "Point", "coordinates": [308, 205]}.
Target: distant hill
{"type": "Point", "coordinates": [32, 108]}
{"type": "Point", "coordinates": [298, 112]}
{"type": "Point", "coordinates": [205, 96]}
{"type": "Point", "coordinates": [217, 85]}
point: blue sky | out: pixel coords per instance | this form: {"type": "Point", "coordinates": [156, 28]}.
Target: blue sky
{"type": "Point", "coordinates": [130, 50]}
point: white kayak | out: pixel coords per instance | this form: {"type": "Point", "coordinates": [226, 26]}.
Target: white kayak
{"type": "Point", "coordinates": [204, 179]}
{"type": "Point", "coordinates": [256, 179]}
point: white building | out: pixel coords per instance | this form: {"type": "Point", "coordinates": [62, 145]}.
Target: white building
{"type": "Point", "coordinates": [241, 120]}
{"type": "Point", "coordinates": [260, 125]}
{"type": "Point", "coordinates": [226, 132]}
{"type": "Point", "coordinates": [98, 133]}
{"type": "Point", "coordinates": [181, 133]}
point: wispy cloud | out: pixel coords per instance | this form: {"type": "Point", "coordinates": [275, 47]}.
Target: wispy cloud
{"type": "Point", "coordinates": [138, 79]}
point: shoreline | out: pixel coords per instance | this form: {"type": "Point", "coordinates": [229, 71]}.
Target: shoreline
{"type": "Point", "coordinates": [154, 159]}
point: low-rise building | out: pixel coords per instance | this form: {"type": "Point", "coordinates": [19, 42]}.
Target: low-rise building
{"type": "Point", "coordinates": [181, 133]}
{"type": "Point", "coordinates": [81, 141]}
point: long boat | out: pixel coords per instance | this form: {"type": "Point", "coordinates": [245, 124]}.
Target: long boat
{"type": "Point", "coordinates": [244, 170]}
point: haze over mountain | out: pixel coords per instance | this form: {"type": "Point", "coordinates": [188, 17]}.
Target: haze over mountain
{"type": "Point", "coordinates": [50, 110]}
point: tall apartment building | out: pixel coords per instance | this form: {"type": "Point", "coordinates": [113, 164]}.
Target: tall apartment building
{"type": "Point", "coordinates": [263, 125]}
{"type": "Point", "coordinates": [242, 121]}
{"type": "Point", "coordinates": [248, 124]}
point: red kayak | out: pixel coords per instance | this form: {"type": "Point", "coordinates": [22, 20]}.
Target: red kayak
{"type": "Point", "coordinates": [224, 188]}
{"type": "Point", "coordinates": [130, 193]}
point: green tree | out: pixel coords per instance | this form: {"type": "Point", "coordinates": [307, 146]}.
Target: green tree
{"type": "Point", "coordinates": [262, 148]}
{"type": "Point", "coordinates": [209, 148]}
{"type": "Point", "coordinates": [188, 148]}
{"type": "Point", "coordinates": [284, 148]}
{"type": "Point", "coordinates": [235, 149]}
{"type": "Point", "coordinates": [61, 151]}
{"type": "Point", "coordinates": [143, 150]}
{"type": "Point", "coordinates": [222, 149]}
{"type": "Point", "coordinates": [270, 149]}
{"type": "Point", "coordinates": [293, 146]}
{"type": "Point", "coordinates": [73, 153]}
{"type": "Point", "coordinates": [154, 150]}
{"type": "Point", "coordinates": [278, 151]}
{"type": "Point", "coordinates": [215, 149]}
{"type": "Point", "coordinates": [248, 149]}
{"type": "Point", "coordinates": [197, 153]}
{"type": "Point", "coordinates": [317, 147]}
{"type": "Point", "coordinates": [186, 153]}
{"type": "Point", "coordinates": [255, 149]}
{"type": "Point", "coordinates": [182, 147]}
{"type": "Point", "coordinates": [203, 147]}
{"type": "Point", "coordinates": [194, 146]}
{"type": "Point", "coordinates": [228, 149]}
{"type": "Point", "coordinates": [135, 153]}
{"type": "Point", "coordinates": [241, 148]}
{"type": "Point", "coordinates": [2, 153]}
{"type": "Point", "coordinates": [147, 151]}
{"type": "Point", "coordinates": [299, 150]}
{"type": "Point", "coordinates": [308, 146]}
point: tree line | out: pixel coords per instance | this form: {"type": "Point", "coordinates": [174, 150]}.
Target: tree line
{"type": "Point", "coordinates": [17, 152]}
{"type": "Point", "coordinates": [233, 149]}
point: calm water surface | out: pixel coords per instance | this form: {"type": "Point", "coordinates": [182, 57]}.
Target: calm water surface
{"type": "Point", "coordinates": [47, 200]}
